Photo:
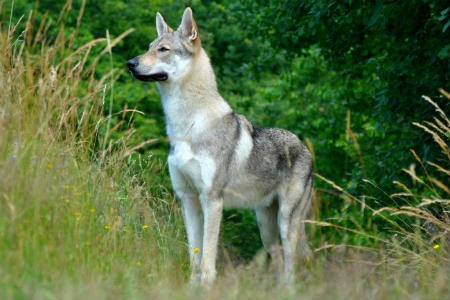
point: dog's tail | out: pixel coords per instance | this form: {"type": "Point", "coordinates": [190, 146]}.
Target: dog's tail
{"type": "Point", "coordinates": [305, 212]}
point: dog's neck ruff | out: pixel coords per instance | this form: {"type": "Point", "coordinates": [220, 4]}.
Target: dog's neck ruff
{"type": "Point", "coordinates": [192, 102]}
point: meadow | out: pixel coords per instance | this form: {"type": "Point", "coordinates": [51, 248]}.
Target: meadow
{"type": "Point", "coordinates": [86, 214]}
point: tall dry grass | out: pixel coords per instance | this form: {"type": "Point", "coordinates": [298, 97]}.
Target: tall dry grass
{"type": "Point", "coordinates": [426, 216]}
{"type": "Point", "coordinates": [75, 218]}
{"type": "Point", "coordinates": [411, 257]}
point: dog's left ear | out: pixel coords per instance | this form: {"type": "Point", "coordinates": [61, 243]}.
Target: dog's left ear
{"type": "Point", "coordinates": [161, 25]}
{"type": "Point", "coordinates": [188, 26]}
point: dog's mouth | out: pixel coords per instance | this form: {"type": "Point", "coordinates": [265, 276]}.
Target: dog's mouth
{"type": "Point", "coordinates": [133, 63]}
{"type": "Point", "coordinates": [152, 77]}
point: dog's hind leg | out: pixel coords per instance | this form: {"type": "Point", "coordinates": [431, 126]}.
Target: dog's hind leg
{"type": "Point", "coordinates": [289, 233]}
{"type": "Point", "coordinates": [294, 206]}
{"type": "Point", "coordinates": [267, 218]}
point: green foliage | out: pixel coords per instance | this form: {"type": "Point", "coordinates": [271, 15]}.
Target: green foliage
{"type": "Point", "coordinates": [346, 76]}
{"type": "Point", "coordinates": [318, 68]}
{"type": "Point", "coordinates": [384, 62]}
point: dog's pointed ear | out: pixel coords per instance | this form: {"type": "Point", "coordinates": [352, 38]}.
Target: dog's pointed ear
{"type": "Point", "coordinates": [161, 25]}
{"type": "Point", "coordinates": [188, 26]}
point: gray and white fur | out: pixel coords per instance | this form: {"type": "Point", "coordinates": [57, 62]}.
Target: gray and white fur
{"type": "Point", "coordinates": [219, 159]}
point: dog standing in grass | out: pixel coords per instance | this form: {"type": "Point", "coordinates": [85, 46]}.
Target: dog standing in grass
{"type": "Point", "coordinates": [219, 159]}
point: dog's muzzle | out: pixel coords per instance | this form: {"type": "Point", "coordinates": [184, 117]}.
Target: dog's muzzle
{"type": "Point", "coordinates": [132, 65]}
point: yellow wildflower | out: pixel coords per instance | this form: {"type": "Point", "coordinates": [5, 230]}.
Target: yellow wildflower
{"type": "Point", "coordinates": [437, 246]}
{"type": "Point", "coordinates": [196, 250]}
{"type": "Point", "coordinates": [145, 226]}
{"type": "Point", "coordinates": [107, 227]}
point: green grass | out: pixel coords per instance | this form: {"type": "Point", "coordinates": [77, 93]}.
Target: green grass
{"type": "Point", "coordinates": [82, 217]}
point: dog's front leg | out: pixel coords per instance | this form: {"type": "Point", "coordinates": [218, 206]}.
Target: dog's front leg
{"type": "Point", "coordinates": [193, 219]}
{"type": "Point", "coordinates": [212, 211]}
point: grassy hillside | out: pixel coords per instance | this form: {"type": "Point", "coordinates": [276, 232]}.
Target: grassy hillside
{"type": "Point", "coordinates": [83, 216]}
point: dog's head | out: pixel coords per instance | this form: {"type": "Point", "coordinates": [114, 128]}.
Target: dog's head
{"type": "Point", "coordinates": [170, 54]}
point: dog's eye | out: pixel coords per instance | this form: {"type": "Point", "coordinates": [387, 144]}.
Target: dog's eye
{"type": "Point", "coordinates": [163, 49]}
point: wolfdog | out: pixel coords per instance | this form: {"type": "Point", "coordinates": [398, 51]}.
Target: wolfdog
{"type": "Point", "coordinates": [219, 159]}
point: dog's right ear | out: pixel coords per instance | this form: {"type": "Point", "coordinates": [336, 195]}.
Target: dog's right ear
{"type": "Point", "coordinates": [161, 25]}
{"type": "Point", "coordinates": [188, 26]}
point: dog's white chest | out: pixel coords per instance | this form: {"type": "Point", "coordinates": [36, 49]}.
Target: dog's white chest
{"type": "Point", "coordinates": [182, 155]}
{"type": "Point", "coordinates": [198, 169]}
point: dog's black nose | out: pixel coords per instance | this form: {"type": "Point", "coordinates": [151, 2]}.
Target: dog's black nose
{"type": "Point", "coordinates": [132, 63]}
